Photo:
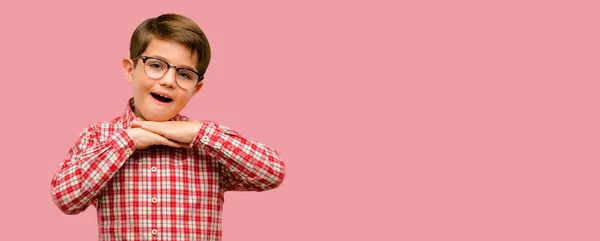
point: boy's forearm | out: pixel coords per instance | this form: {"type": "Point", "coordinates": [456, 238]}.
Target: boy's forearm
{"type": "Point", "coordinates": [88, 167]}
{"type": "Point", "coordinates": [257, 166]}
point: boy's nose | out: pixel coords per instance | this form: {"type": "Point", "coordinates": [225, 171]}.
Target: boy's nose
{"type": "Point", "coordinates": [169, 79]}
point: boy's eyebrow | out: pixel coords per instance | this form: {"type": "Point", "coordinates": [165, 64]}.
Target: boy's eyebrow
{"type": "Point", "coordinates": [164, 59]}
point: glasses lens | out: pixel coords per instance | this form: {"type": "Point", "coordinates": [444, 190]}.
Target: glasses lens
{"type": "Point", "coordinates": [155, 68]}
{"type": "Point", "coordinates": [187, 79]}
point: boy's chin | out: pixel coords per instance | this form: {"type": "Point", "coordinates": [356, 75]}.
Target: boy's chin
{"type": "Point", "coordinates": [155, 117]}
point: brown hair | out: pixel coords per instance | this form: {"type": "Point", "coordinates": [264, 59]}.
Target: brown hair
{"type": "Point", "coordinates": [172, 27]}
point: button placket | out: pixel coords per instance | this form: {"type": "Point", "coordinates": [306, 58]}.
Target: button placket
{"type": "Point", "coordinates": [153, 200]}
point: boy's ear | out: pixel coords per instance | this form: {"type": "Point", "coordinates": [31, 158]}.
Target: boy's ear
{"type": "Point", "coordinates": [127, 66]}
{"type": "Point", "coordinates": [198, 87]}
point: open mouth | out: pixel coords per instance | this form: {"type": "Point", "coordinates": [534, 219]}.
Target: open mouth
{"type": "Point", "coordinates": [161, 98]}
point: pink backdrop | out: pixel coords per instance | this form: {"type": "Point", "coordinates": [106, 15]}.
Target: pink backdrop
{"type": "Point", "coordinates": [436, 120]}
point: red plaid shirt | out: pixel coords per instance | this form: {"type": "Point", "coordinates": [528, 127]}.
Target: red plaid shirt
{"type": "Point", "coordinates": [161, 193]}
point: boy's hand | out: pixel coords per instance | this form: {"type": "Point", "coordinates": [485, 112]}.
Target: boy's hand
{"type": "Point", "coordinates": [144, 139]}
{"type": "Point", "coordinates": [178, 131]}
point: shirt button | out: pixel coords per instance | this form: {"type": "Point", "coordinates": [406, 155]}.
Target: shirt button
{"type": "Point", "coordinates": [205, 139]}
{"type": "Point", "coordinates": [127, 151]}
{"type": "Point", "coordinates": [154, 200]}
{"type": "Point", "coordinates": [154, 231]}
{"type": "Point", "coordinates": [153, 169]}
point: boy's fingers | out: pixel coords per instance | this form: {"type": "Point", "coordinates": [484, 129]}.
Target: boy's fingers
{"type": "Point", "coordinates": [167, 142]}
{"type": "Point", "coordinates": [153, 127]}
{"type": "Point", "coordinates": [137, 122]}
{"type": "Point", "coordinates": [172, 143]}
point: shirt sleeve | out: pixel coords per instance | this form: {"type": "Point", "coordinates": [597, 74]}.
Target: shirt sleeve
{"type": "Point", "coordinates": [247, 165]}
{"type": "Point", "coordinates": [88, 167]}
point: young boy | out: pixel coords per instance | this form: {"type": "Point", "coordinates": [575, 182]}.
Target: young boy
{"type": "Point", "coordinates": [151, 173]}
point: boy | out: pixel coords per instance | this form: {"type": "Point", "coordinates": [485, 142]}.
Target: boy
{"type": "Point", "coordinates": [151, 173]}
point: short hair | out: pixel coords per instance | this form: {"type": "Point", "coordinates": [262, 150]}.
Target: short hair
{"type": "Point", "coordinates": [174, 27]}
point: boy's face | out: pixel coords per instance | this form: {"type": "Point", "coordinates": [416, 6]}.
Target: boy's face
{"type": "Point", "coordinates": [145, 89]}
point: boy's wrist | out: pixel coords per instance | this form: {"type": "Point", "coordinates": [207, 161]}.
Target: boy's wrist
{"type": "Point", "coordinates": [200, 133]}
{"type": "Point", "coordinates": [131, 135]}
{"type": "Point", "coordinates": [210, 133]}
{"type": "Point", "coordinates": [125, 140]}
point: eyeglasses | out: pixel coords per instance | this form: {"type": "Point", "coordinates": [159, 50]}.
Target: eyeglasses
{"type": "Point", "coordinates": [157, 68]}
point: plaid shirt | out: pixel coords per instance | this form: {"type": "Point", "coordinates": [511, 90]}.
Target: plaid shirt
{"type": "Point", "coordinates": [161, 193]}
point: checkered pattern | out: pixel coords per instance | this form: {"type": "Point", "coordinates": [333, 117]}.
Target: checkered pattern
{"type": "Point", "coordinates": [161, 193]}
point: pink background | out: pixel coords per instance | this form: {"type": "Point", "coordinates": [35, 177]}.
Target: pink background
{"type": "Point", "coordinates": [436, 120]}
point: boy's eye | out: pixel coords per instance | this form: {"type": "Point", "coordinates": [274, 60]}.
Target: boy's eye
{"type": "Point", "coordinates": [184, 75]}
{"type": "Point", "coordinates": [156, 66]}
